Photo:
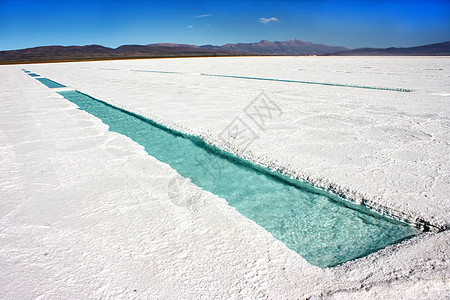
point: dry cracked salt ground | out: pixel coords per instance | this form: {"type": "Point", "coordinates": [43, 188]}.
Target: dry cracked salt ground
{"type": "Point", "coordinates": [85, 212]}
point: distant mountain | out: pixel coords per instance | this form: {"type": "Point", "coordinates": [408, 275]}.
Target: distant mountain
{"type": "Point", "coordinates": [290, 47]}
{"type": "Point", "coordinates": [432, 49]}
{"type": "Point", "coordinates": [97, 52]}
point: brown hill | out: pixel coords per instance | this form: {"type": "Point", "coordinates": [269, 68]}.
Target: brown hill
{"type": "Point", "coordinates": [96, 52]}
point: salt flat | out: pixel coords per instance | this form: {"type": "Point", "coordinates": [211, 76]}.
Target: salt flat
{"type": "Point", "coordinates": [387, 149]}
{"type": "Point", "coordinates": [86, 211]}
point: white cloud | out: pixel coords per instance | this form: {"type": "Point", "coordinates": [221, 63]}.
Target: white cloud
{"type": "Point", "coordinates": [202, 16]}
{"type": "Point", "coordinates": [190, 26]}
{"type": "Point", "coordinates": [266, 21]}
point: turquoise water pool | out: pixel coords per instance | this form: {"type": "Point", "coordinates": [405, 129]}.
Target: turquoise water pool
{"type": "Point", "coordinates": [323, 229]}
{"type": "Point", "coordinates": [50, 83]}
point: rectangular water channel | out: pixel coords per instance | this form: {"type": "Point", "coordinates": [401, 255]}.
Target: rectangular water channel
{"type": "Point", "coordinates": [50, 83]}
{"type": "Point", "coordinates": [322, 228]}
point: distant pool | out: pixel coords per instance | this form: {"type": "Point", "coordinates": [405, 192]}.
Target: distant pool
{"type": "Point", "coordinates": [322, 228]}
{"type": "Point", "coordinates": [50, 83]}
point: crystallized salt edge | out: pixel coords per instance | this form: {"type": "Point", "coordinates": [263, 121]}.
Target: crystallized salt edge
{"type": "Point", "coordinates": [372, 202]}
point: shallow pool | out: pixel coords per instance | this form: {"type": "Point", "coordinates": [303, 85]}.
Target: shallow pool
{"type": "Point", "coordinates": [323, 229]}
{"type": "Point", "coordinates": [50, 83]}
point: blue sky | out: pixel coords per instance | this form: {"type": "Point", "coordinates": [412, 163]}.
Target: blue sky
{"type": "Point", "coordinates": [113, 23]}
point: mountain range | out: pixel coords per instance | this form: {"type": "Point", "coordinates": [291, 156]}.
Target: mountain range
{"type": "Point", "coordinates": [432, 49]}
{"type": "Point", "coordinates": [97, 52]}
{"type": "Point", "coordinates": [290, 47]}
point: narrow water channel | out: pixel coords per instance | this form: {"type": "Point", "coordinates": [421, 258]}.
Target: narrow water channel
{"type": "Point", "coordinates": [322, 228]}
